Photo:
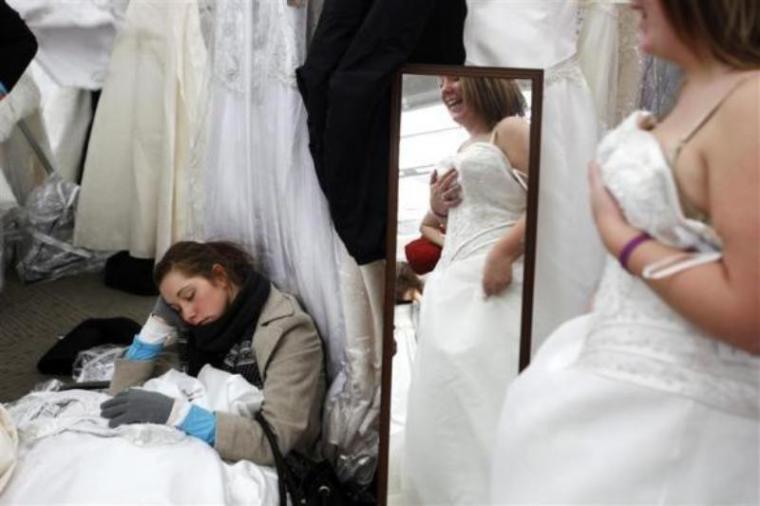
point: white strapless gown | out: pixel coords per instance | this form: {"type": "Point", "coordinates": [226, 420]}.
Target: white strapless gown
{"type": "Point", "coordinates": [468, 345]}
{"type": "Point", "coordinates": [632, 404]}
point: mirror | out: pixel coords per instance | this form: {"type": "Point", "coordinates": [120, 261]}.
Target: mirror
{"type": "Point", "coordinates": [451, 350]}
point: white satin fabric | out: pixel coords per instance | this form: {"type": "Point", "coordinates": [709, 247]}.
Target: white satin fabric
{"type": "Point", "coordinates": [468, 344]}
{"type": "Point", "coordinates": [75, 37]}
{"type": "Point", "coordinates": [8, 447]}
{"type": "Point", "coordinates": [633, 404]}
{"type": "Point", "coordinates": [569, 254]}
{"type": "Point", "coordinates": [68, 455]}
{"type": "Point", "coordinates": [135, 187]}
{"type": "Point", "coordinates": [21, 166]}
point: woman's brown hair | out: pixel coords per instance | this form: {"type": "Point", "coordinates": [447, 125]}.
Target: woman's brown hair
{"type": "Point", "coordinates": [406, 279]}
{"type": "Point", "coordinates": [493, 99]}
{"type": "Point", "coordinates": [729, 29]}
{"type": "Point", "coordinates": [193, 258]}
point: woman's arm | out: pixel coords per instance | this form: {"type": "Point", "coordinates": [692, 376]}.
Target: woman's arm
{"type": "Point", "coordinates": [152, 351]}
{"type": "Point", "coordinates": [294, 387]}
{"type": "Point", "coordinates": [720, 297]}
{"type": "Point", "coordinates": [497, 272]}
{"type": "Point", "coordinates": [430, 228]}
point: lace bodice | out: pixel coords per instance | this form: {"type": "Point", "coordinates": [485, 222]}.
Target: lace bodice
{"type": "Point", "coordinates": [257, 40]}
{"type": "Point", "coordinates": [492, 200]}
{"type": "Point", "coordinates": [637, 336]}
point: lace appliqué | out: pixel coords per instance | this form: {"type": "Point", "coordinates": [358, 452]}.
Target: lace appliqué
{"type": "Point", "coordinates": [43, 414]}
{"type": "Point", "coordinates": [492, 201]}
{"type": "Point", "coordinates": [566, 70]}
{"type": "Point", "coordinates": [636, 337]}
{"type": "Point", "coordinates": [256, 41]}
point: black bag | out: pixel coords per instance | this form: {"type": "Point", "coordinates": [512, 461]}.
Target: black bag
{"type": "Point", "coordinates": [309, 483]}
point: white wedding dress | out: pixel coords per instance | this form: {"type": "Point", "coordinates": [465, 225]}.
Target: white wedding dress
{"type": "Point", "coordinates": [67, 454]}
{"type": "Point", "coordinates": [544, 34]}
{"type": "Point", "coordinates": [632, 404]}
{"type": "Point", "coordinates": [468, 345]}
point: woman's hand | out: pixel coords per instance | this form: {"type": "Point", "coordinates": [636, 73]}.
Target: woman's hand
{"type": "Point", "coordinates": [445, 192]}
{"type": "Point", "coordinates": [610, 221]}
{"type": "Point", "coordinates": [497, 273]}
{"type": "Point", "coordinates": [137, 406]}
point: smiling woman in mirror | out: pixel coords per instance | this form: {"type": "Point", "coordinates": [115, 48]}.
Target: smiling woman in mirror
{"type": "Point", "coordinates": [470, 315]}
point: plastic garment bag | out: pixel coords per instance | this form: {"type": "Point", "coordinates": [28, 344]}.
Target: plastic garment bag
{"type": "Point", "coordinates": [8, 447]}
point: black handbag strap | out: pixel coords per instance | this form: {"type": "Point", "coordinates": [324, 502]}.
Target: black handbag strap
{"type": "Point", "coordinates": [279, 461]}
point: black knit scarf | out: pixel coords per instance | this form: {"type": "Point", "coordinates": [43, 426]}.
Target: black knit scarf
{"type": "Point", "coordinates": [210, 343]}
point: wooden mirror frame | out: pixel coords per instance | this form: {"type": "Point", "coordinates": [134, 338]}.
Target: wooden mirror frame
{"type": "Point", "coordinates": [536, 77]}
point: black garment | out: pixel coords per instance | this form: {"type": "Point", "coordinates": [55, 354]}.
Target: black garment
{"type": "Point", "coordinates": [129, 274]}
{"type": "Point", "coordinates": [17, 46]}
{"type": "Point", "coordinates": [226, 342]}
{"type": "Point", "coordinates": [345, 83]}
{"type": "Point", "coordinates": [90, 333]}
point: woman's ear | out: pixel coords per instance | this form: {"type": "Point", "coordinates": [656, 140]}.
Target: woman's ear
{"type": "Point", "coordinates": [219, 276]}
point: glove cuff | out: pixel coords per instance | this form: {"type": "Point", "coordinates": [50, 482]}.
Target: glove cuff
{"type": "Point", "coordinates": [179, 412]}
{"type": "Point", "coordinates": [140, 350]}
{"type": "Point", "coordinates": [156, 330]}
{"type": "Point", "coordinates": [200, 423]}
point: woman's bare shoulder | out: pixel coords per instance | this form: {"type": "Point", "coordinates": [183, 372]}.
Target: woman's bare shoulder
{"type": "Point", "coordinates": [512, 137]}
{"type": "Point", "coordinates": [513, 125]}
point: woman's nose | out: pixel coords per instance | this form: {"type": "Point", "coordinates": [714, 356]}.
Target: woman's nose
{"type": "Point", "coordinates": [189, 314]}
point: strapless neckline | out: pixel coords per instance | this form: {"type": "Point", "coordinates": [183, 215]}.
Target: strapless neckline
{"type": "Point", "coordinates": [672, 184]}
{"type": "Point", "coordinates": [671, 169]}
{"type": "Point", "coordinates": [520, 177]}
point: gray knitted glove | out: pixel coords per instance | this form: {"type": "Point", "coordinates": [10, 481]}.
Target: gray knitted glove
{"type": "Point", "coordinates": [137, 406]}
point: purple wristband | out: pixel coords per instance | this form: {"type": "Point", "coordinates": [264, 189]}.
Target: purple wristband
{"type": "Point", "coordinates": [631, 245]}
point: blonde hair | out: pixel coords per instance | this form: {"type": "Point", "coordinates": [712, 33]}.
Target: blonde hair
{"type": "Point", "coordinates": [729, 29]}
{"type": "Point", "coordinates": [493, 99]}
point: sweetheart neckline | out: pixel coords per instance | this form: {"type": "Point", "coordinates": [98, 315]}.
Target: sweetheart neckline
{"type": "Point", "coordinates": [504, 156]}
{"type": "Point", "coordinates": [673, 187]}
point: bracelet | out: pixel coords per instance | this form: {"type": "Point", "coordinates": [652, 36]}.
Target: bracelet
{"type": "Point", "coordinates": [625, 253]}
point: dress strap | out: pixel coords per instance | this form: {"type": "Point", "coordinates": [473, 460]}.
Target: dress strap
{"type": "Point", "coordinates": [685, 139]}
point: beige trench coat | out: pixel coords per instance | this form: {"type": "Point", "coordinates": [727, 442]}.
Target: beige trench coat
{"type": "Point", "coordinates": [291, 361]}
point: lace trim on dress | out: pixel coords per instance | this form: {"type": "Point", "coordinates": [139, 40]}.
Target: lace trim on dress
{"type": "Point", "coordinates": [256, 36]}
{"type": "Point", "coordinates": [659, 360]}
{"type": "Point", "coordinates": [568, 69]}
{"type": "Point", "coordinates": [40, 415]}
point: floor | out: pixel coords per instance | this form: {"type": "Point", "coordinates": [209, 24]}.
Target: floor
{"type": "Point", "coordinates": [33, 316]}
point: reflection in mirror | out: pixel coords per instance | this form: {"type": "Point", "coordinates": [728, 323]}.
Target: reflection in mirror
{"type": "Point", "coordinates": [463, 175]}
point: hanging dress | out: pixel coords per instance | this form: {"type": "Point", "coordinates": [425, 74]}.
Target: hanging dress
{"type": "Point", "coordinates": [134, 188]}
